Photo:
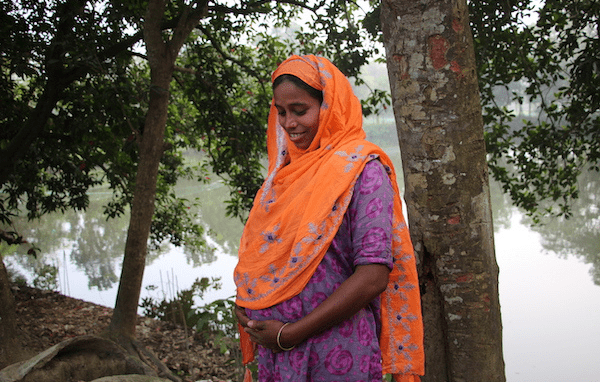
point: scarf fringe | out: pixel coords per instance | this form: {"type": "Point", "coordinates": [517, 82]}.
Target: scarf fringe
{"type": "Point", "coordinates": [247, 375]}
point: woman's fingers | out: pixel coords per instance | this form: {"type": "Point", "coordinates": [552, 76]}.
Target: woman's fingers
{"type": "Point", "coordinates": [240, 313]}
{"type": "Point", "coordinates": [264, 333]}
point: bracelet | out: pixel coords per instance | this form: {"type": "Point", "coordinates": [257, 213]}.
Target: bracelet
{"type": "Point", "coordinates": [279, 338]}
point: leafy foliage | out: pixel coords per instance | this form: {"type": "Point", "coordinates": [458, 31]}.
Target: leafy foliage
{"type": "Point", "coordinates": [46, 277]}
{"type": "Point", "coordinates": [74, 86]}
{"type": "Point", "coordinates": [545, 59]}
{"type": "Point", "coordinates": [215, 320]}
{"type": "Point", "coordinates": [52, 138]}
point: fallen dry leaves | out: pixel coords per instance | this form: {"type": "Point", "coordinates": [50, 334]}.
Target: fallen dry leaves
{"type": "Point", "coordinates": [46, 318]}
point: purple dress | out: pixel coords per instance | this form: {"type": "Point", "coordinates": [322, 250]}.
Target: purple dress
{"type": "Point", "coordinates": [349, 351]}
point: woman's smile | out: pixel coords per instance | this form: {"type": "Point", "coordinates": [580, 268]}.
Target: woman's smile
{"type": "Point", "coordinates": [295, 136]}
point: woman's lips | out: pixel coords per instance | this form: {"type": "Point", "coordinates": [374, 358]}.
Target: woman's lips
{"type": "Point", "coordinates": [295, 136]}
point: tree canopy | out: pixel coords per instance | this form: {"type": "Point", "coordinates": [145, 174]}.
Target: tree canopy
{"type": "Point", "coordinates": [538, 66]}
{"type": "Point", "coordinates": [74, 89]}
{"type": "Point", "coordinates": [74, 84]}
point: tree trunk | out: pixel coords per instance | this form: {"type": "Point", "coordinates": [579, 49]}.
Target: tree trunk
{"type": "Point", "coordinates": [431, 66]}
{"type": "Point", "coordinates": [142, 209]}
{"type": "Point", "coordinates": [161, 58]}
{"type": "Point", "coordinates": [11, 349]}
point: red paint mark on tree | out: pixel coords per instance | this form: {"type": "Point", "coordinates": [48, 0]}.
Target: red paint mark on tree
{"type": "Point", "coordinates": [438, 48]}
{"type": "Point", "coordinates": [454, 219]}
{"type": "Point", "coordinates": [455, 67]}
{"type": "Point", "coordinates": [457, 25]}
{"type": "Point", "coordinates": [466, 278]}
{"type": "Point", "coordinates": [402, 65]}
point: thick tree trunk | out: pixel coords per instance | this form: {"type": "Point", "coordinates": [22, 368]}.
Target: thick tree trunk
{"type": "Point", "coordinates": [431, 66]}
{"type": "Point", "coordinates": [11, 350]}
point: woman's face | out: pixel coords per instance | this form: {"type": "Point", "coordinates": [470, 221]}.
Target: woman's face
{"type": "Point", "coordinates": [298, 113]}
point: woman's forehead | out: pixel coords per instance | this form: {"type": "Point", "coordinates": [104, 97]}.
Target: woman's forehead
{"type": "Point", "coordinates": [288, 94]}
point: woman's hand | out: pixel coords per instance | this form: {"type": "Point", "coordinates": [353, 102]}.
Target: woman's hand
{"type": "Point", "coordinates": [242, 317]}
{"type": "Point", "coordinates": [366, 283]}
{"type": "Point", "coordinates": [265, 333]}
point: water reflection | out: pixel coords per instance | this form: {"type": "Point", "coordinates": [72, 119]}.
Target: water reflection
{"type": "Point", "coordinates": [92, 243]}
{"type": "Point", "coordinates": [224, 230]}
{"type": "Point", "coordinates": [579, 235]}
{"type": "Point", "coordinates": [95, 245]}
{"type": "Point", "coordinates": [502, 208]}
{"type": "Point", "coordinates": [98, 246]}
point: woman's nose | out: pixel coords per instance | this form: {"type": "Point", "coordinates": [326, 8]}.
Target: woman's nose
{"type": "Point", "coordinates": [289, 122]}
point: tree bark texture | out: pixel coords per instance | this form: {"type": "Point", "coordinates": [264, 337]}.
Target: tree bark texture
{"type": "Point", "coordinates": [161, 57]}
{"type": "Point", "coordinates": [431, 66]}
{"type": "Point", "coordinates": [11, 350]}
{"type": "Point", "coordinates": [142, 209]}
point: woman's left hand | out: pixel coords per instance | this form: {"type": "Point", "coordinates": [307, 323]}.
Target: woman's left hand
{"type": "Point", "coordinates": [264, 333]}
{"type": "Point", "coordinates": [242, 317]}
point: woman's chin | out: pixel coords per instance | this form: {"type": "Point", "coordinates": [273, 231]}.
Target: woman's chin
{"type": "Point", "coordinates": [300, 142]}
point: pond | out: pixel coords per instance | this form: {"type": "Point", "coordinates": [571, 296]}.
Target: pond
{"type": "Point", "coordinates": [549, 301]}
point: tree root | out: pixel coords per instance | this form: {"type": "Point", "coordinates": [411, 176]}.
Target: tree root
{"type": "Point", "coordinates": [88, 358]}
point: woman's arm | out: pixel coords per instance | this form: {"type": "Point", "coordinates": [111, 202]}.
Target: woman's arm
{"type": "Point", "coordinates": [366, 283]}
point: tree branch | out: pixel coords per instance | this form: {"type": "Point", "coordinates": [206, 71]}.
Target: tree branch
{"type": "Point", "coordinates": [119, 47]}
{"type": "Point", "coordinates": [187, 22]}
{"type": "Point", "coordinates": [255, 7]}
{"type": "Point", "coordinates": [152, 28]}
{"type": "Point", "coordinates": [11, 238]}
{"type": "Point", "coordinates": [300, 4]}
{"type": "Point", "coordinates": [228, 57]}
{"type": "Point", "coordinates": [185, 70]}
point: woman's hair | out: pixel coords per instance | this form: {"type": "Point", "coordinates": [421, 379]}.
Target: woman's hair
{"type": "Point", "coordinates": [315, 93]}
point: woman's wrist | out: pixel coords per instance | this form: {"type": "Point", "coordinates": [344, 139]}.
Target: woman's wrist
{"type": "Point", "coordinates": [281, 342]}
{"type": "Point", "coordinates": [294, 333]}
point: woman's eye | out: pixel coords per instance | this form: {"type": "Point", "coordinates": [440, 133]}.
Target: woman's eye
{"type": "Point", "coordinates": [300, 112]}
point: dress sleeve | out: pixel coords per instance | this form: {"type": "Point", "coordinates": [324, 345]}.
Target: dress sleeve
{"type": "Point", "coordinates": [371, 216]}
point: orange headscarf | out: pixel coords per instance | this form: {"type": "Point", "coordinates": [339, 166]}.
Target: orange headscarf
{"type": "Point", "coordinates": [300, 206]}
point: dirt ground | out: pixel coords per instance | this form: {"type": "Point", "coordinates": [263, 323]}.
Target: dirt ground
{"type": "Point", "coordinates": [48, 318]}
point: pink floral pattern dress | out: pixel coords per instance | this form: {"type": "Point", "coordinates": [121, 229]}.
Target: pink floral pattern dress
{"type": "Point", "coordinates": [349, 351]}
